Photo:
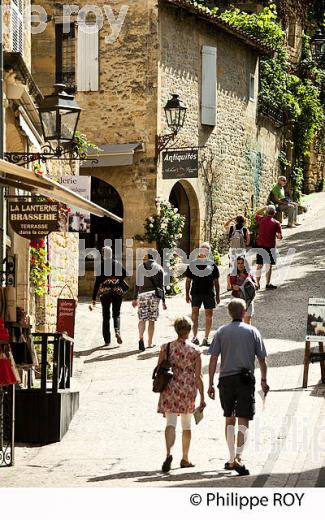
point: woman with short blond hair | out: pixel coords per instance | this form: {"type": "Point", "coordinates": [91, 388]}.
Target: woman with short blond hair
{"type": "Point", "coordinates": [179, 396]}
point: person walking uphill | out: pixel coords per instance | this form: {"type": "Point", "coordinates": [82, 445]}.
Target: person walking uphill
{"type": "Point", "coordinates": [268, 231]}
{"type": "Point", "coordinates": [202, 287]}
{"type": "Point", "coordinates": [148, 292]}
{"type": "Point", "coordinates": [238, 344]}
{"type": "Point", "coordinates": [111, 289]}
{"type": "Point", "coordinates": [179, 396]}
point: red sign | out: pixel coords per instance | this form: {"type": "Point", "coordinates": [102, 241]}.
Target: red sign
{"type": "Point", "coordinates": [66, 315]}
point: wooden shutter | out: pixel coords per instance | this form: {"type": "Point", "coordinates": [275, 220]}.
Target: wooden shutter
{"type": "Point", "coordinates": [209, 86]}
{"type": "Point", "coordinates": [87, 61]}
{"type": "Point", "coordinates": [17, 7]}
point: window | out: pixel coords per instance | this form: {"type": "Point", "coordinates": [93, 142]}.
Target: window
{"type": "Point", "coordinates": [17, 7]}
{"type": "Point", "coordinates": [66, 56]}
{"type": "Point", "coordinates": [209, 86]}
{"type": "Point", "coordinates": [252, 87]}
{"type": "Point", "coordinates": [292, 34]}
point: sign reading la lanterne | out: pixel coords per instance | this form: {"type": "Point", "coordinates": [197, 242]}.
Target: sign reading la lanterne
{"type": "Point", "coordinates": [33, 219]}
{"type": "Point", "coordinates": [180, 164]}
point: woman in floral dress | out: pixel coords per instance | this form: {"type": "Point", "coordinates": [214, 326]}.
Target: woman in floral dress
{"type": "Point", "coordinates": [179, 396]}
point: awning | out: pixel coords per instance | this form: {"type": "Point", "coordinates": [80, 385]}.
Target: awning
{"type": "Point", "coordinates": [114, 154]}
{"type": "Point", "coordinates": [23, 179]}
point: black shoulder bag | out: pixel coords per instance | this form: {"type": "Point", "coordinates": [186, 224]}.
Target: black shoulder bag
{"type": "Point", "coordinates": [159, 293]}
{"type": "Point", "coordinates": [162, 374]}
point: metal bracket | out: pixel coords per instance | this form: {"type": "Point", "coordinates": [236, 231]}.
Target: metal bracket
{"type": "Point", "coordinates": [48, 153]}
{"type": "Point", "coordinates": [162, 142]}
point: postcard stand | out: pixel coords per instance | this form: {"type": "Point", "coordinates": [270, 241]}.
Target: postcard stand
{"type": "Point", "coordinates": [313, 357]}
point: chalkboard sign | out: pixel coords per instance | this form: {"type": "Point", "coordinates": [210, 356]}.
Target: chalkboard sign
{"type": "Point", "coordinates": [180, 164]}
{"type": "Point", "coordinates": [66, 314]}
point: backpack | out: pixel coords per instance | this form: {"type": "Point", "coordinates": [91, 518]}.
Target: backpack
{"type": "Point", "coordinates": [237, 239]}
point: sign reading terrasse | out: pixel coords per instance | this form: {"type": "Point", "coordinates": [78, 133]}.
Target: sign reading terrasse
{"type": "Point", "coordinates": [33, 219]}
{"type": "Point", "coordinates": [180, 164]}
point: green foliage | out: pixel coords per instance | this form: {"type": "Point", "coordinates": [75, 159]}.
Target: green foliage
{"type": "Point", "coordinates": [252, 224]}
{"type": "Point", "coordinates": [83, 145]}
{"type": "Point", "coordinates": [264, 25]}
{"type": "Point", "coordinates": [215, 252]}
{"type": "Point", "coordinates": [39, 267]}
{"type": "Point", "coordinates": [166, 228]}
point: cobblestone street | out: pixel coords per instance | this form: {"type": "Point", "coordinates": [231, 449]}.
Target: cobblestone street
{"type": "Point", "coordinates": [116, 437]}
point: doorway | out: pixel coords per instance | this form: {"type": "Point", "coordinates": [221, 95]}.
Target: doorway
{"type": "Point", "coordinates": [179, 199]}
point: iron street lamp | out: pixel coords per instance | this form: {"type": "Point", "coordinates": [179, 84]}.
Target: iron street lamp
{"type": "Point", "coordinates": [175, 113]}
{"type": "Point", "coordinates": [59, 115]}
{"type": "Point", "coordinates": [318, 45]}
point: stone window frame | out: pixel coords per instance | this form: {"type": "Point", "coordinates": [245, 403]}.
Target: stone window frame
{"type": "Point", "coordinates": [252, 87]}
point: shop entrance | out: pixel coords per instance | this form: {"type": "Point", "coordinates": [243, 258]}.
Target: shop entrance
{"type": "Point", "coordinates": [103, 228]}
{"type": "Point", "coordinates": [184, 198]}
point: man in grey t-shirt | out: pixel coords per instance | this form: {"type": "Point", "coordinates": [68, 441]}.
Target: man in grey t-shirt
{"type": "Point", "coordinates": [238, 344]}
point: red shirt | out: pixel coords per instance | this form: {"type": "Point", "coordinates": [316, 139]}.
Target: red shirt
{"type": "Point", "coordinates": [268, 228]}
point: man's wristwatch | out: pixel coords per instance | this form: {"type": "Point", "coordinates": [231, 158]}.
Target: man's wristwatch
{"type": "Point", "coordinates": [263, 380]}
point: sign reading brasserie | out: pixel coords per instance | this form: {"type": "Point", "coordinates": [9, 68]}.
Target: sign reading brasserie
{"type": "Point", "coordinates": [33, 219]}
{"type": "Point", "coordinates": [180, 164]}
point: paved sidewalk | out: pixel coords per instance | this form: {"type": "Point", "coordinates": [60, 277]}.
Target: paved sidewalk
{"type": "Point", "coordinates": [116, 438]}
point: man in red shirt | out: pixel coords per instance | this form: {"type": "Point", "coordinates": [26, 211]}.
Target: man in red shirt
{"type": "Point", "coordinates": [268, 231]}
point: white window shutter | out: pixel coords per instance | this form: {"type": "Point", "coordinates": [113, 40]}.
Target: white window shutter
{"type": "Point", "coordinates": [209, 86]}
{"type": "Point", "coordinates": [17, 7]}
{"type": "Point", "coordinates": [87, 61]}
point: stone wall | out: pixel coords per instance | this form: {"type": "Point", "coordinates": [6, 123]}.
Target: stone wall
{"type": "Point", "coordinates": [240, 157]}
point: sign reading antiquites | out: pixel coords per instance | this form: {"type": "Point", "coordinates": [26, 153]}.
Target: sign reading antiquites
{"type": "Point", "coordinates": [33, 219]}
{"type": "Point", "coordinates": [180, 164]}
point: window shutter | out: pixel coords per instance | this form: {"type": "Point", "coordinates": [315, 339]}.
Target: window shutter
{"type": "Point", "coordinates": [17, 7]}
{"type": "Point", "coordinates": [209, 86]}
{"type": "Point", "coordinates": [87, 61]}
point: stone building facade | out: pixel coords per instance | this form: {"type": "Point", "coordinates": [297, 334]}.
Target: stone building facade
{"type": "Point", "coordinates": [22, 134]}
{"type": "Point", "coordinates": [158, 50]}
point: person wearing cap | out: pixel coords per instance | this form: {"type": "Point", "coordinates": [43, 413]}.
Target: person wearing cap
{"type": "Point", "coordinates": [284, 204]}
{"type": "Point", "coordinates": [202, 288]}
{"type": "Point", "coordinates": [269, 230]}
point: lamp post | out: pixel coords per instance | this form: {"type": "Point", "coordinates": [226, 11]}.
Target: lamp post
{"type": "Point", "coordinates": [59, 116]}
{"type": "Point", "coordinates": [175, 113]}
{"type": "Point", "coordinates": [318, 45]}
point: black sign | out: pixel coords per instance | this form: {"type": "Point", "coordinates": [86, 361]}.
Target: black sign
{"type": "Point", "coordinates": [180, 164]}
{"type": "Point", "coordinates": [33, 219]}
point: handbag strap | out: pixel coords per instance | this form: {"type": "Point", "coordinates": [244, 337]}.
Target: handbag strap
{"type": "Point", "coordinates": [168, 351]}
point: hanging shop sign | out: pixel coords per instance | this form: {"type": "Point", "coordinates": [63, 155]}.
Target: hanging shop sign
{"type": "Point", "coordinates": [180, 164]}
{"type": "Point", "coordinates": [33, 219]}
{"type": "Point", "coordinates": [66, 316]}
{"type": "Point", "coordinates": [316, 320]}
{"type": "Point", "coordinates": [78, 220]}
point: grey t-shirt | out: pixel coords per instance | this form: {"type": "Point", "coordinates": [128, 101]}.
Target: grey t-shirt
{"type": "Point", "coordinates": [238, 344]}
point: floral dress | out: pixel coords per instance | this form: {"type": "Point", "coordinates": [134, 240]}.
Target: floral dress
{"type": "Point", "coordinates": [179, 396]}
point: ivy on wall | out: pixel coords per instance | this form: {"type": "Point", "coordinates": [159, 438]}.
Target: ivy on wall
{"type": "Point", "coordinates": [298, 94]}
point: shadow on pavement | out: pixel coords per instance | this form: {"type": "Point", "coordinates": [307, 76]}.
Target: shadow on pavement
{"type": "Point", "coordinates": [158, 476]}
{"type": "Point", "coordinates": [208, 479]}
{"type": "Point", "coordinates": [122, 355]}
